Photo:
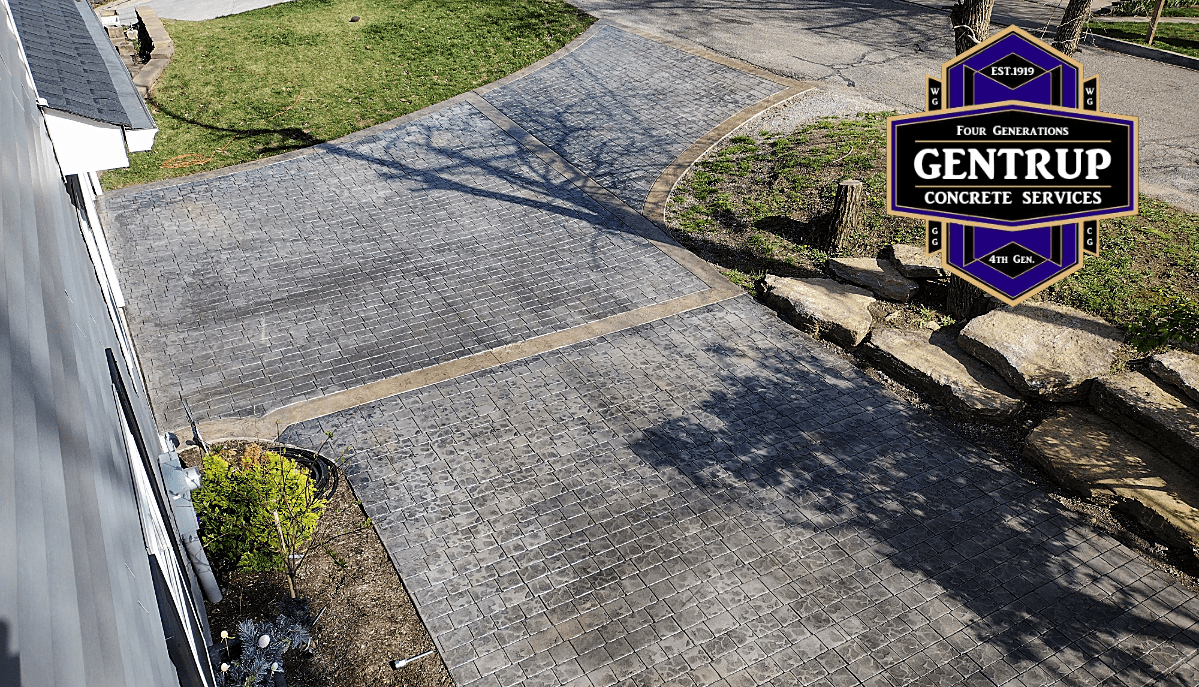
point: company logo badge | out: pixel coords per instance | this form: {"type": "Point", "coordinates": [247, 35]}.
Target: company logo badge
{"type": "Point", "coordinates": [1012, 165]}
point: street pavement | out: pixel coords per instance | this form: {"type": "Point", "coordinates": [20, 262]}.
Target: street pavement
{"type": "Point", "coordinates": [705, 496]}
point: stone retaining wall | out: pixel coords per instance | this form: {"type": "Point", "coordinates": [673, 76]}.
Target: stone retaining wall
{"type": "Point", "coordinates": [146, 62]}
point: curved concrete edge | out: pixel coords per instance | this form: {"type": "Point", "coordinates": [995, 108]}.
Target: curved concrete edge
{"type": "Point", "coordinates": [367, 132]}
{"type": "Point", "coordinates": [709, 55]}
{"type": "Point", "coordinates": [655, 203]}
{"type": "Point", "coordinates": [1142, 51]}
{"type": "Point", "coordinates": [271, 425]}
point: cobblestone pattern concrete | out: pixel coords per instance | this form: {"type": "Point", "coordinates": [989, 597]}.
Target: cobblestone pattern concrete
{"type": "Point", "coordinates": [715, 499]}
{"type": "Point", "coordinates": [425, 243]}
{"type": "Point", "coordinates": [621, 107]}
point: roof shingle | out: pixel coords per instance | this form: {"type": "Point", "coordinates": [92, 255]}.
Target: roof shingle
{"type": "Point", "coordinates": [74, 64]}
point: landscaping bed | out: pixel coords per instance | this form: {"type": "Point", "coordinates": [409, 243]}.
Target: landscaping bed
{"type": "Point", "coordinates": [366, 619]}
{"type": "Point", "coordinates": [292, 75]}
{"type": "Point", "coordinates": [760, 203]}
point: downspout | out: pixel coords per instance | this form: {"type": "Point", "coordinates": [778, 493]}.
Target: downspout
{"type": "Point", "coordinates": [180, 482]}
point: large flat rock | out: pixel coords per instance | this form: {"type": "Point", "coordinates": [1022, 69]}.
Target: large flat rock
{"type": "Point", "coordinates": [822, 307]}
{"type": "Point", "coordinates": [934, 363]}
{"type": "Point", "coordinates": [913, 263]}
{"type": "Point", "coordinates": [1179, 369]}
{"type": "Point", "coordinates": [1166, 420]}
{"type": "Point", "coordinates": [1044, 350]}
{"type": "Point", "coordinates": [880, 276]}
{"type": "Point", "coordinates": [1094, 458]}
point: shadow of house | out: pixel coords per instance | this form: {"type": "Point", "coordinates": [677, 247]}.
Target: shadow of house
{"type": "Point", "coordinates": [96, 587]}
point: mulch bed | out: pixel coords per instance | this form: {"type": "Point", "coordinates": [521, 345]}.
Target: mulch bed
{"type": "Point", "coordinates": [366, 619]}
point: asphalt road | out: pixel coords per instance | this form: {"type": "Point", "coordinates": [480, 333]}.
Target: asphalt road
{"type": "Point", "coordinates": [882, 50]}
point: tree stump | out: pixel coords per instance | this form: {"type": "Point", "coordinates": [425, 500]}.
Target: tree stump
{"type": "Point", "coordinates": [971, 20]}
{"type": "Point", "coordinates": [1069, 31]}
{"type": "Point", "coordinates": [847, 213]}
{"type": "Point", "coordinates": [966, 301]}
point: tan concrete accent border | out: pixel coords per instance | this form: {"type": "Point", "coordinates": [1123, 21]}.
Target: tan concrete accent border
{"type": "Point", "coordinates": [269, 426]}
{"type": "Point", "coordinates": [710, 55]}
{"type": "Point", "coordinates": [659, 193]}
{"type": "Point", "coordinates": [655, 203]}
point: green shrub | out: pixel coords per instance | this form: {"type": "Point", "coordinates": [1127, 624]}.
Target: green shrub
{"type": "Point", "coordinates": [1170, 317]}
{"type": "Point", "coordinates": [237, 501]}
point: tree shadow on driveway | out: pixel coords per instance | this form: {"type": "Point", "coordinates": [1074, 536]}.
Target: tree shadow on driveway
{"type": "Point", "coordinates": [1005, 581]}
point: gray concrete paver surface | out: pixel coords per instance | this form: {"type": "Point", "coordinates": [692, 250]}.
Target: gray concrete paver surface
{"type": "Point", "coordinates": [421, 244]}
{"type": "Point", "coordinates": [622, 121]}
{"type": "Point", "coordinates": [716, 499]}
{"type": "Point", "coordinates": [711, 498]}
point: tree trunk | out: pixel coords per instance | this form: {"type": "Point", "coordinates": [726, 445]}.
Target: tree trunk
{"type": "Point", "coordinates": [1153, 19]}
{"type": "Point", "coordinates": [847, 213]}
{"type": "Point", "coordinates": [966, 301]}
{"type": "Point", "coordinates": [971, 20]}
{"type": "Point", "coordinates": [1069, 31]}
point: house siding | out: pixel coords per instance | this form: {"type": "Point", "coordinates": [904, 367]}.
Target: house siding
{"type": "Point", "coordinates": [77, 600]}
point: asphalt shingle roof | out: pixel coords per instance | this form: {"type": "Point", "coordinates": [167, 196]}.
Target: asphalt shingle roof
{"type": "Point", "coordinates": [74, 64]}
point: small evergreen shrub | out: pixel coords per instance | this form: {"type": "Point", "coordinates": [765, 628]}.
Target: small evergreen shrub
{"type": "Point", "coordinates": [237, 502]}
{"type": "Point", "coordinates": [262, 646]}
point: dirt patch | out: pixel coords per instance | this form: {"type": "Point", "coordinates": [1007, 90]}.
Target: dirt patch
{"type": "Point", "coordinates": [366, 618]}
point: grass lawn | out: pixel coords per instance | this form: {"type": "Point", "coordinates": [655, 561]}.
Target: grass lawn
{"type": "Point", "coordinates": [284, 77]}
{"type": "Point", "coordinates": [760, 202]}
{"type": "Point", "coordinates": [1175, 37]}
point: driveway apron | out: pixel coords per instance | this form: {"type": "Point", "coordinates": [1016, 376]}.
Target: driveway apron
{"type": "Point", "coordinates": [703, 496]}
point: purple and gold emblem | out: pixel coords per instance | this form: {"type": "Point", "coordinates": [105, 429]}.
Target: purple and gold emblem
{"type": "Point", "coordinates": [1013, 165]}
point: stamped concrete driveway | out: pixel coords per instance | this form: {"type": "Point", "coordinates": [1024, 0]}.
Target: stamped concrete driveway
{"type": "Point", "coordinates": [715, 499]}
{"type": "Point", "coordinates": [418, 243]}
{"type": "Point", "coordinates": [591, 460]}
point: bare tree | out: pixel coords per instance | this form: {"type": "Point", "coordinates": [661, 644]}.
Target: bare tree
{"type": "Point", "coordinates": [1069, 31]}
{"type": "Point", "coordinates": [971, 20]}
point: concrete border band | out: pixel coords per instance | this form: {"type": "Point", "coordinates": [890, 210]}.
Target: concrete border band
{"type": "Point", "coordinates": [649, 224]}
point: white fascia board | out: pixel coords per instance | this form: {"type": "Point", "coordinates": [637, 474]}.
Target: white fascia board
{"type": "Point", "coordinates": [84, 145]}
{"type": "Point", "coordinates": [140, 140]}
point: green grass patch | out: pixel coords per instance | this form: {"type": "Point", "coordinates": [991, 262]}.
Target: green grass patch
{"type": "Point", "coordinates": [759, 202]}
{"type": "Point", "coordinates": [1182, 38]}
{"type": "Point", "coordinates": [252, 85]}
{"type": "Point", "coordinates": [774, 219]}
{"type": "Point", "coordinates": [1146, 277]}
